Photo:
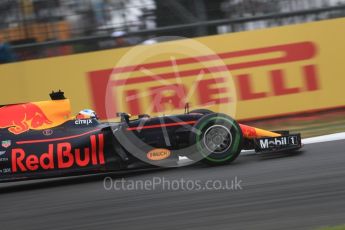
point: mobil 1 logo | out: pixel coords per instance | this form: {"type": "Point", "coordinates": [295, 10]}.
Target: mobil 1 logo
{"type": "Point", "coordinates": [278, 142]}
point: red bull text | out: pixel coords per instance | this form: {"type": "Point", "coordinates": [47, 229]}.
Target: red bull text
{"type": "Point", "coordinates": [60, 156]}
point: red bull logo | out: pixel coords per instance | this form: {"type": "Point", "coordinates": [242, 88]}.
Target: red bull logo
{"type": "Point", "coordinates": [23, 117]}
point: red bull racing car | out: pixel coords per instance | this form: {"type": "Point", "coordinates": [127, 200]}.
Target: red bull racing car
{"type": "Point", "coordinates": [41, 139]}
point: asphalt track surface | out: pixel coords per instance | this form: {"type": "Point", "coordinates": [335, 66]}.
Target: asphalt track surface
{"type": "Point", "coordinates": [302, 191]}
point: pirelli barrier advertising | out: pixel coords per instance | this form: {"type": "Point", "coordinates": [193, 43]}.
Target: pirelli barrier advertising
{"type": "Point", "coordinates": [255, 74]}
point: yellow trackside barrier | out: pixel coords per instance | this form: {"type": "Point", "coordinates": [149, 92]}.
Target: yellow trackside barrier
{"type": "Point", "coordinates": [276, 71]}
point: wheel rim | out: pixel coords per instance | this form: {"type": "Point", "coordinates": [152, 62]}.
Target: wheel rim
{"type": "Point", "coordinates": [217, 139]}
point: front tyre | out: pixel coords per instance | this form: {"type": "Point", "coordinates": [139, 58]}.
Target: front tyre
{"type": "Point", "coordinates": [218, 139]}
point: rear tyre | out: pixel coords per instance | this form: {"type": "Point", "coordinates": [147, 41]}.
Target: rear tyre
{"type": "Point", "coordinates": [218, 139]}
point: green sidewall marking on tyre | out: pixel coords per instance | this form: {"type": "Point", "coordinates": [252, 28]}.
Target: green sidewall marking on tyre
{"type": "Point", "coordinates": [234, 146]}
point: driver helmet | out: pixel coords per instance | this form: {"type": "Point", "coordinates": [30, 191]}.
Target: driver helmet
{"type": "Point", "coordinates": [87, 114]}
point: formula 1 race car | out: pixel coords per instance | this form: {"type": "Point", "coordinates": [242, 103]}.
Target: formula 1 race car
{"type": "Point", "coordinates": [41, 139]}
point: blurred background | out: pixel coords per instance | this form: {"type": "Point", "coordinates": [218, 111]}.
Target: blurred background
{"type": "Point", "coordinates": [303, 95]}
{"type": "Point", "coordinates": [284, 60]}
{"type": "Point", "coordinates": [44, 28]}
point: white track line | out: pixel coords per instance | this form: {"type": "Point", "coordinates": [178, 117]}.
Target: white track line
{"type": "Point", "coordinates": [325, 138]}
